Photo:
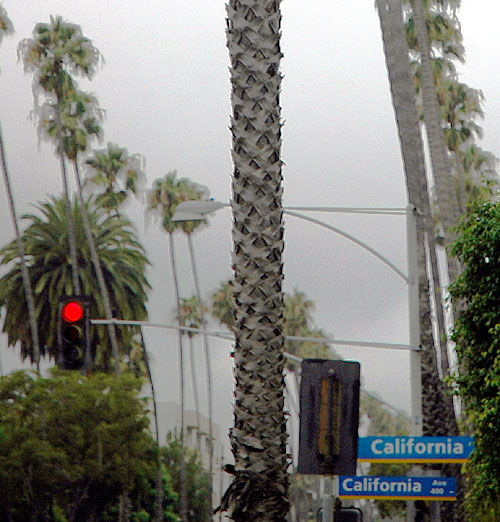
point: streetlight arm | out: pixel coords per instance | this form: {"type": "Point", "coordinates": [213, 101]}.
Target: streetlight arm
{"type": "Point", "coordinates": [197, 209]}
{"type": "Point", "coordinates": [362, 244]}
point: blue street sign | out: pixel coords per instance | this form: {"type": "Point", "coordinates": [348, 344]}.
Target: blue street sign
{"type": "Point", "coordinates": [397, 488]}
{"type": "Point", "coordinates": [415, 449]}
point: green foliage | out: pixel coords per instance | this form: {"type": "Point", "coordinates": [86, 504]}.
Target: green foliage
{"type": "Point", "coordinates": [56, 51]}
{"type": "Point", "coordinates": [6, 26]}
{"type": "Point", "coordinates": [191, 313]}
{"type": "Point", "coordinates": [117, 172]}
{"type": "Point", "coordinates": [197, 480]}
{"type": "Point", "coordinates": [460, 105]}
{"type": "Point", "coordinates": [79, 118]}
{"type": "Point", "coordinates": [67, 116]}
{"type": "Point", "coordinates": [477, 337]}
{"type": "Point", "coordinates": [143, 499]}
{"type": "Point", "coordinates": [71, 445]}
{"type": "Point", "coordinates": [45, 239]}
{"type": "Point", "coordinates": [166, 194]}
{"type": "Point", "coordinates": [222, 306]}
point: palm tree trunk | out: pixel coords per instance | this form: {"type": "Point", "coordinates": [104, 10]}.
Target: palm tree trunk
{"type": "Point", "coordinates": [24, 271]}
{"type": "Point", "coordinates": [159, 479]}
{"type": "Point", "coordinates": [259, 490]}
{"type": "Point", "coordinates": [413, 158]}
{"type": "Point", "coordinates": [438, 413]}
{"type": "Point", "coordinates": [206, 349]}
{"type": "Point", "coordinates": [71, 228]}
{"type": "Point", "coordinates": [462, 197]}
{"type": "Point", "coordinates": [69, 215]}
{"type": "Point", "coordinates": [441, 165]}
{"type": "Point", "coordinates": [182, 470]}
{"type": "Point", "coordinates": [438, 289]}
{"type": "Point", "coordinates": [194, 383]}
{"type": "Point", "coordinates": [124, 509]}
{"type": "Point", "coordinates": [98, 270]}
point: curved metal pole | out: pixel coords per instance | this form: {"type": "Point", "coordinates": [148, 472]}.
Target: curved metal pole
{"type": "Point", "coordinates": [195, 210]}
{"type": "Point", "coordinates": [362, 244]}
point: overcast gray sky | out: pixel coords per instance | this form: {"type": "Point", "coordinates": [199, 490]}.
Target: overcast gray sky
{"type": "Point", "coordinates": [165, 89]}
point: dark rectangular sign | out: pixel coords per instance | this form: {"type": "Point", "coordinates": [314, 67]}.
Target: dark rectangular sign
{"type": "Point", "coordinates": [329, 417]}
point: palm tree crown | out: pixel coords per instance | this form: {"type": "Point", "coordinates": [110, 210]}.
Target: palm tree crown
{"type": "Point", "coordinates": [6, 26]}
{"type": "Point", "coordinates": [123, 262]}
{"type": "Point", "coordinates": [56, 51]}
{"type": "Point", "coordinates": [118, 172]}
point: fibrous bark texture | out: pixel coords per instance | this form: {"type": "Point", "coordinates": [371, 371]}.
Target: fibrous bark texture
{"type": "Point", "coordinates": [260, 487]}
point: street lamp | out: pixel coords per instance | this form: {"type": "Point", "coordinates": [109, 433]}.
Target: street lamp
{"type": "Point", "coordinates": [197, 209]}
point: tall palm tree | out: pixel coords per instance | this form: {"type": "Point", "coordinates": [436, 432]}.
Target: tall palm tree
{"type": "Point", "coordinates": [56, 51]}
{"type": "Point", "coordinates": [414, 164]}
{"type": "Point", "coordinates": [438, 412]}
{"type": "Point", "coordinates": [444, 33]}
{"type": "Point", "coordinates": [77, 119]}
{"type": "Point", "coordinates": [6, 28]}
{"type": "Point", "coordinates": [69, 117]}
{"type": "Point", "coordinates": [162, 200]}
{"type": "Point", "coordinates": [22, 259]}
{"type": "Point", "coordinates": [460, 104]}
{"type": "Point", "coordinates": [222, 307]}
{"type": "Point", "coordinates": [191, 314]}
{"type": "Point", "coordinates": [441, 165]}
{"type": "Point", "coordinates": [259, 490]}
{"type": "Point", "coordinates": [118, 172]}
{"type": "Point", "coordinates": [46, 244]}
{"type": "Point", "coordinates": [193, 191]}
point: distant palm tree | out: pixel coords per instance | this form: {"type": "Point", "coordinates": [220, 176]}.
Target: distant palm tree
{"type": "Point", "coordinates": [191, 314]}
{"type": "Point", "coordinates": [6, 28]}
{"type": "Point", "coordinates": [222, 305]}
{"type": "Point", "coordinates": [56, 51]}
{"type": "Point", "coordinates": [459, 105]}
{"type": "Point", "coordinates": [297, 308]}
{"type": "Point", "coordinates": [45, 240]}
{"type": "Point", "coordinates": [193, 191]}
{"type": "Point", "coordinates": [118, 172]}
{"type": "Point", "coordinates": [69, 117]}
{"type": "Point", "coordinates": [162, 200]}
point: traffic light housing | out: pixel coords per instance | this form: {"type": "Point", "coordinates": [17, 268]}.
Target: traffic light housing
{"type": "Point", "coordinates": [73, 333]}
{"type": "Point", "coordinates": [329, 417]}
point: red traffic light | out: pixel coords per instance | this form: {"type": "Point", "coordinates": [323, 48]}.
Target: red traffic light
{"type": "Point", "coordinates": [72, 311]}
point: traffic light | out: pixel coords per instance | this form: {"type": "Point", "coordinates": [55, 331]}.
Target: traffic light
{"type": "Point", "coordinates": [329, 417]}
{"type": "Point", "coordinates": [73, 333]}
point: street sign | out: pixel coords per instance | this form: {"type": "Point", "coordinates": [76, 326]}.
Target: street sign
{"type": "Point", "coordinates": [397, 488]}
{"type": "Point", "coordinates": [415, 449]}
{"type": "Point", "coordinates": [329, 417]}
